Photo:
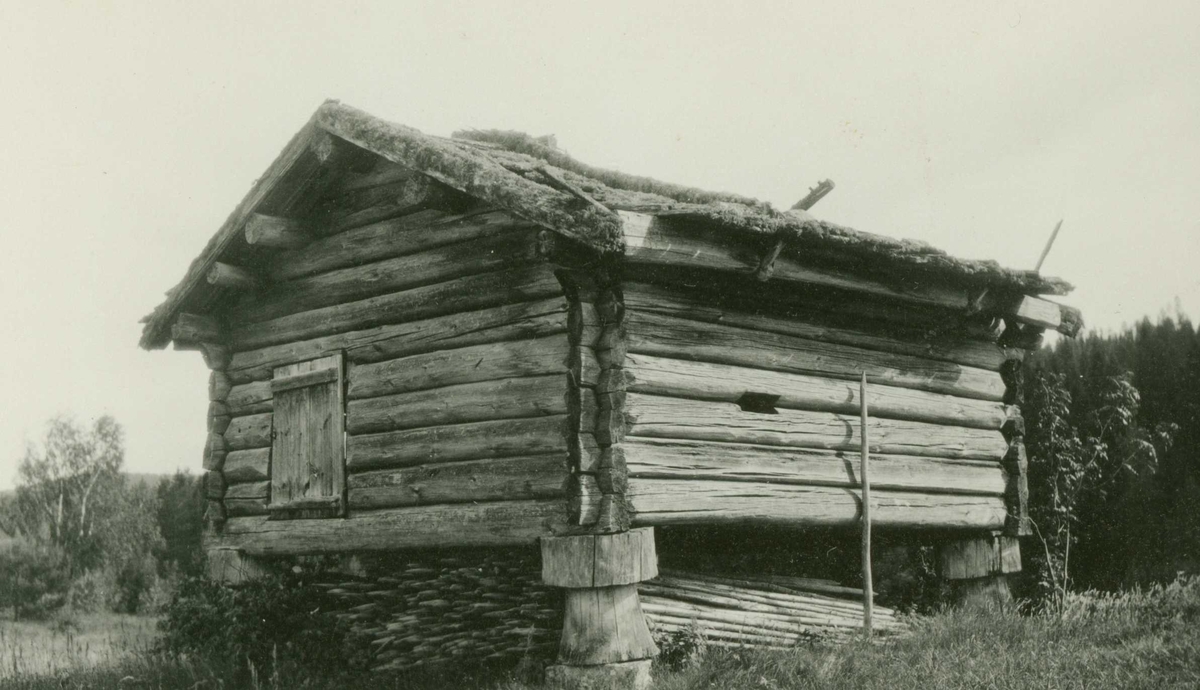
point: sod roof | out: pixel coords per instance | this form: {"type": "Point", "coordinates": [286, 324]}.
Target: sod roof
{"type": "Point", "coordinates": [536, 181]}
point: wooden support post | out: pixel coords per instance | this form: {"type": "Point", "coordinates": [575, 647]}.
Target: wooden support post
{"type": "Point", "coordinates": [232, 567]}
{"type": "Point", "coordinates": [978, 567]}
{"type": "Point", "coordinates": [605, 641]}
{"type": "Point", "coordinates": [868, 588]}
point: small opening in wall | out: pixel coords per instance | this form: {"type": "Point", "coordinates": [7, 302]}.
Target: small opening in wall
{"type": "Point", "coordinates": [763, 403]}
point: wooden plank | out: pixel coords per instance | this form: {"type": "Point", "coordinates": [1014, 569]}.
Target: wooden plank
{"type": "Point", "coordinates": [535, 396]}
{"type": "Point", "coordinates": [1036, 312]}
{"type": "Point", "coordinates": [727, 383]}
{"type": "Point", "coordinates": [672, 502]}
{"type": "Point", "coordinates": [655, 241]}
{"type": "Point", "coordinates": [357, 282]}
{"type": "Point", "coordinates": [308, 444]}
{"type": "Point", "coordinates": [707, 460]}
{"type": "Point", "coordinates": [250, 465]}
{"type": "Point", "coordinates": [250, 431]}
{"type": "Point", "coordinates": [508, 523]}
{"type": "Point", "coordinates": [666, 336]}
{"type": "Point", "coordinates": [410, 234]}
{"type": "Point", "coordinates": [276, 232]}
{"type": "Point", "coordinates": [359, 207]}
{"type": "Point", "coordinates": [503, 438]}
{"type": "Point", "coordinates": [521, 284]}
{"type": "Point", "coordinates": [662, 417]}
{"type": "Point", "coordinates": [764, 311]}
{"type": "Point", "coordinates": [491, 479]}
{"type": "Point", "coordinates": [525, 320]}
{"type": "Point", "coordinates": [485, 362]}
{"type": "Point", "coordinates": [240, 507]}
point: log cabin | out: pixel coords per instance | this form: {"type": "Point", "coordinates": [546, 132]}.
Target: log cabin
{"type": "Point", "coordinates": [420, 344]}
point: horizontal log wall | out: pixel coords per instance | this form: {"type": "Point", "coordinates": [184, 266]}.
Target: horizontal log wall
{"type": "Point", "coordinates": [459, 426]}
{"type": "Point", "coordinates": [697, 449]}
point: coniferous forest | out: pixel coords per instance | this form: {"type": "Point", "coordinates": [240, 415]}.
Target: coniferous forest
{"type": "Point", "coordinates": [1113, 424]}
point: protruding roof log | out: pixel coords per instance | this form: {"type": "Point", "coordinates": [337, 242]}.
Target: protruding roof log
{"type": "Point", "coordinates": [275, 232]}
{"type": "Point", "coordinates": [228, 276]}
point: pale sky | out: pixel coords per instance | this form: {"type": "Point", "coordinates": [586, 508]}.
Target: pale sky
{"type": "Point", "coordinates": [132, 129]}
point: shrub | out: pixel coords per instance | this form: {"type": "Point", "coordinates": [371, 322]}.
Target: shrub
{"type": "Point", "coordinates": [35, 580]}
{"type": "Point", "coordinates": [276, 623]}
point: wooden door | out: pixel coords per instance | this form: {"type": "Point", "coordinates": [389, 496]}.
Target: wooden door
{"type": "Point", "coordinates": [308, 447]}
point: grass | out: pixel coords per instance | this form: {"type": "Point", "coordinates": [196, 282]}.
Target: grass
{"type": "Point", "coordinates": [1143, 639]}
{"type": "Point", "coordinates": [67, 644]}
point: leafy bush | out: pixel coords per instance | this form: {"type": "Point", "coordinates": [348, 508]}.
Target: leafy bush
{"type": "Point", "coordinates": [35, 580]}
{"type": "Point", "coordinates": [274, 623]}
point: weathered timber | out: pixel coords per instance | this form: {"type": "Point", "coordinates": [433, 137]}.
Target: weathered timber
{"type": "Point", "coordinates": [667, 336]}
{"type": "Point", "coordinates": [603, 626]}
{"type": "Point", "coordinates": [522, 321]}
{"type": "Point", "coordinates": [478, 176]}
{"type": "Point", "coordinates": [631, 675]}
{"type": "Point", "coordinates": [229, 567]}
{"type": "Point", "coordinates": [664, 417]}
{"type": "Point", "coordinates": [218, 386]}
{"type": "Point", "coordinates": [500, 479]}
{"type": "Point", "coordinates": [583, 500]}
{"type": "Point", "coordinates": [218, 418]}
{"type": "Point", "coordinates": [387, 239]}
{"type": "Point", "coordinates": [286, 186]}
{"type": "Point", "coordinates": [1016, 466]}
{"type": "Point", "coordinates": [435, 265]}
{"type": "Point", "coordinates": [360, 207]}
{"type": "Point", "coordinates": [521, 284]}
{"type": "Point", "coordinates": [251, 465]}
{"type": "Point", "coordinates": [758, 312]}
{"type": "Point", "coordinates": [535, 396]}
{"type": "Point", "coordinates": [232, 277]}
{"type": "Point", "coordinates": [964, 559]}
{"type": "Point", "coordinates": [214, 484]}
{"type": "Point", "coordinates": [261, 489]}
{"type": "Point", "coordinates": [485, 362]}
{"type": "Point", "coordinates": [249, 398]}
{"type": "Point", "coordinates": [508, 523]}
{"type": "Point", "coordinates": [215, 450]}
{"type": "Point", "coordinates": [727, 383]}
{"type": "Point", "coordinates": [381, 172]}
{"type": "Point", "coordinates": [1041, 313]}
{"type": "Point", "coordinates": [668, 502]}
{"type": "Point", "coordinates": [241, 507]}
{"type": "Point", "coordinates": [250, 431]}
{"type": "Point", "coordinates": [214, 514]}
{"type": "Point", "coordinates": [308, 439]}
{"type": "Point", "coordinates": [502, 438]}
{"type": "Point", "coordinates": [705, 460]}
{"type": "Point", "coordinates": [599, 560]}
{"type": "Point", "coordinates": [276, 232]}
{"type": "Point", "coordinates": [656, 241]}
{"type": "Point", "coordinates": [195, 328]}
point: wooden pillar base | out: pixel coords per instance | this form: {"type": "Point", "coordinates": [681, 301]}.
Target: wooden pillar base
{"type": "Point", "coordinates": [231, 567]}
{"type": "Point", "coordinates": [983, 592]}
{"type": "Point", "coordinates": [978, 568]}
{"type": "Point", "coordinates": [627, 675]}
{"type": "Point", "coordinates": [605, 640]}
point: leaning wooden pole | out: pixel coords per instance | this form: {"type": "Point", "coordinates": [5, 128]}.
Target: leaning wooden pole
{"type": "Point", "coordinates": [864, 471]}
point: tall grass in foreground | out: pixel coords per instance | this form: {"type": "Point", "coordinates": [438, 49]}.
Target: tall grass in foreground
{"type": "Point", "coordinates": [1140, 639]}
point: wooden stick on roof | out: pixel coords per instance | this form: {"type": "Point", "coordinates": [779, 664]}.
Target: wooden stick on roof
{"type": "Point", "coordinates": [814, 195]}
{"type": "Point", "coordinates": [1049, 243]}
